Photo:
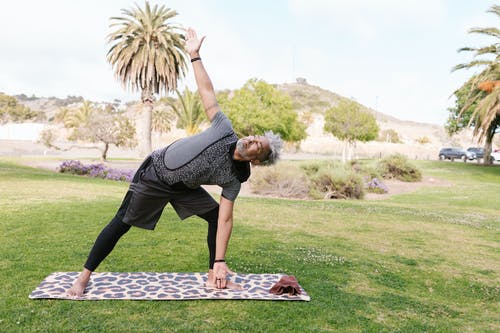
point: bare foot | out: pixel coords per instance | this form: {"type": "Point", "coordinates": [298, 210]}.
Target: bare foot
{"type": "Point", "coordinates": [79, 285]}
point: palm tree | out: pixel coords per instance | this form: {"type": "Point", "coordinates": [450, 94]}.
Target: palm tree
{"type": "Point", "coordinates": [161, 119]}
{"type": "Point", "coordinates": [486, 115]}
{"type": "Point", "coordinates": [189, 111]}
{"type": "Point", "coordinates": [72, 118]}
{"type": "Point", "coordinates": [147, 54]}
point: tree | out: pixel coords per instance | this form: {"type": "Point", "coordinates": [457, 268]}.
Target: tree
{"type": "Point", "coordinates": [189, 111]}
{"type": "Point", "coordinates": [11, 110]}
{"type": "Point", "coordinates": [260, 107]}
{"type": "Point", "coordinates": [147, 54]}
{"type": "Point", "coordinates": [73, 118]}
{"type": "Point", "coordinates": [107, 129]}
{"type": "Point", "coordinates": [89, 124]}
{"type": "Point", "coordinates": [460, 117]}
{"type": "Point", "coordinates": [483, 110]}
{"type": "Point", "coordinates": [161, 119]}
{"type": "Point", "coordinates": [349, 123]}
{"type": "Point", "coordinates": [389, 135]}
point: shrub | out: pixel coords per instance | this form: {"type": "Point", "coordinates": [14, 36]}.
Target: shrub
{"type": "Point", "coordinates": [311, 168]}
{"type": "Point", "coordinates": [73, 167]}
{"type": "Point", "coordinates": [397, 166]}
{"type": "Point", "coordinates": [337, 183]}
{"type": "Point", "coordinates": [279, 181]}
{"type": "Point", "coordinates": [389, 135]}
{"type": "Point", "coordinates": [366, 170]}
{"type": "Point", "coordinates": [95, 170]}
{"type": "Point", "coordinates": [423, 140]}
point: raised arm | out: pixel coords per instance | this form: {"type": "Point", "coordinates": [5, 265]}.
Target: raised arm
{"type": "Point", "coordinates": [205, 87]}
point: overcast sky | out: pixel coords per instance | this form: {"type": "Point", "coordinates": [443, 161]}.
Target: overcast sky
{"type": "Point", "coordinates": [392, 55]}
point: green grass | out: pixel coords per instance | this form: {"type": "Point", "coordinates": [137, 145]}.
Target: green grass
{"type": "Point", "coordinates": [426, 261]}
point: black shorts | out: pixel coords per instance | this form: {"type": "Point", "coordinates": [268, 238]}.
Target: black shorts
{"type": "Point", "coordinates": [148, 196]}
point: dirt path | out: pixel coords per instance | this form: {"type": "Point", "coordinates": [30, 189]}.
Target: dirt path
{"type": "Point", "coordinates": [399, 187]}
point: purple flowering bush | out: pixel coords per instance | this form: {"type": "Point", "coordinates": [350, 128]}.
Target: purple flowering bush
{"type": "Point", "coordinates": [376, 186]}
{"type": "Point", "coordinates": [95, 170]}
{"type": "Point", "coordinates": [74, 167]}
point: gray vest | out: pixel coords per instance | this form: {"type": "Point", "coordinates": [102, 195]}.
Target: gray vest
{"type": "Point", "coordinates": [212, 166]}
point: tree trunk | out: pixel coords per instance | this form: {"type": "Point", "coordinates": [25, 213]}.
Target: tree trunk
{"type": "Point", "coordinates": [352, 151]}
{"type": "Point", "coordinates": [104, 153]}
{"type": "Point", "coordinates": [489, 141]}
{"type": "Point", "coordinates": [487, 151]}
{"type": "Point", "coordinates": [349, 151]}
{"type": "Point", "coordinates": [148, 110]}
{"type": "Point", "coordinates": [344, 152]}
{"type": "Point", "coordinates": [147, 98]}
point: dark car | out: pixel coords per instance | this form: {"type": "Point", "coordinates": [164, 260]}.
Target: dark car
{"type": "Point", "coordinates": [456, 153]}
{"type": "Point", "coordinates": [479, 152]}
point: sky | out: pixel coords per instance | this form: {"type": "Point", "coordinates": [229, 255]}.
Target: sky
{"type": "Point", "coordinates": [394, 56]}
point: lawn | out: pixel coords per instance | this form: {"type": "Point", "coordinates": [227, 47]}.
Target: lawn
{"type": "Point", "coordinates": [426, 261]}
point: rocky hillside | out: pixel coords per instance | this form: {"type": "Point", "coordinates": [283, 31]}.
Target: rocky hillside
{"type": "Point", "coordinates": [315, 100]}
{"type": "Point", "coordinates": [48, 105]}
{"type": "Point", "coordinates": [311, 102]}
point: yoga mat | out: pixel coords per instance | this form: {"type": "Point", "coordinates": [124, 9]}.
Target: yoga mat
{"type": "Point", "coordinates": [161, 286]}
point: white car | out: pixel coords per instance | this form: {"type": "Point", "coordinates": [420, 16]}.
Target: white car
{"type": "Point", "coordinates": [496, 156]}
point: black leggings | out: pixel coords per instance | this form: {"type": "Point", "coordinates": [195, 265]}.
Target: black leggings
{"type": "Point", "coordinates": [112, 233]}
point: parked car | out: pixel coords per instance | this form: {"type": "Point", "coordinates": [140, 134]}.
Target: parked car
{"type": "Point", "coordinates": [476, 150]}
{"type": "Point", "coordinates": [496, 155]}
{"type": "Point", "coordinates": [454, 153]}
{"type": "Point", "coordinates": [479, 152]}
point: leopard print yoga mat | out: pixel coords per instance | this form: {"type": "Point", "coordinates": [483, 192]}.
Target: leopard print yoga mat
{"type": "Point", "coordinates": [162, 286]}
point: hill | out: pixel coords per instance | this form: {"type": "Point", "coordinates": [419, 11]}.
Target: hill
{"type": "Point", "coordinates": [310, 102]}
{"type": "Point", "coordinates": [308, 98]}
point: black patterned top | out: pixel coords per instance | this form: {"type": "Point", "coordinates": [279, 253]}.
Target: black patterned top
{"type": "Point", "coordinates": [204, 159]}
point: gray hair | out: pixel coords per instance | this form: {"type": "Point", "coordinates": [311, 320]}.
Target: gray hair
{"type": "Point", "coordinates": [276, 144]}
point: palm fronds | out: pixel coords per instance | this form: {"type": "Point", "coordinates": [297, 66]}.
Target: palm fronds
{"type": "Point", "coordinates": [147, 52]}
{"type": "Point", "coordinates": [487, 110]}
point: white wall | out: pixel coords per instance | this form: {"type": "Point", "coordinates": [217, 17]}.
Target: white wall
{"type": "Point", "coordinates": [21, 131]}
